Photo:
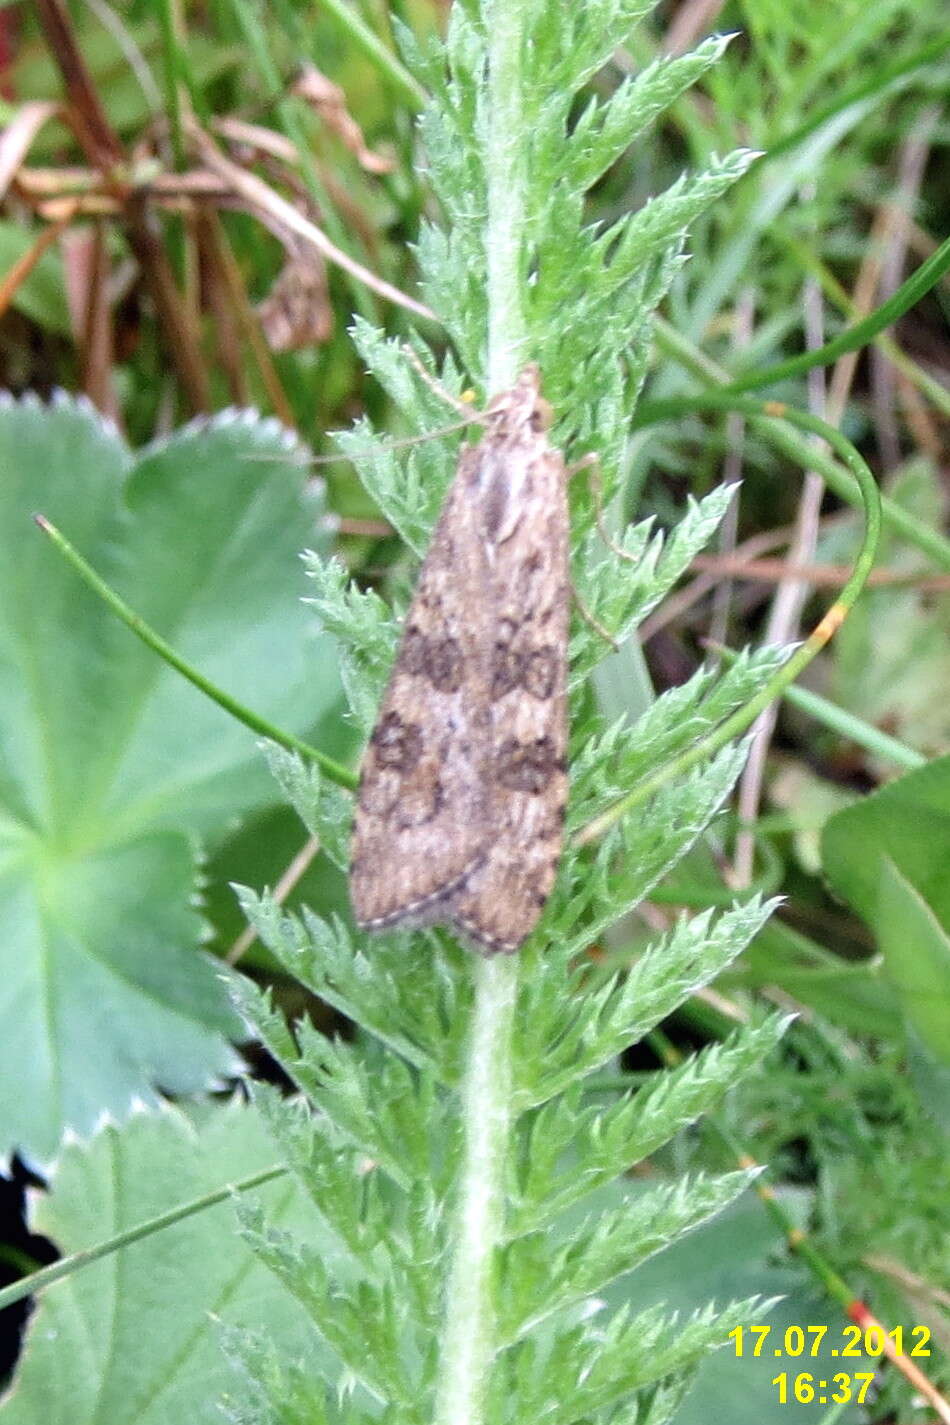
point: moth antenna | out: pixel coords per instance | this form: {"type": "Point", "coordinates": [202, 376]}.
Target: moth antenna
{"type": "Point", "coordinates": [463, 404]}
{"type": "Point", "coordinates": [399, 444]}
{"type": "Point", "coordinates": [402, 443]}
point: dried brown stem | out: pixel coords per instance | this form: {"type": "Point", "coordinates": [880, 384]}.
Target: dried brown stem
{"type": "Point", "coordinates": [99, 139]}
{"type": "Point", "coordinates": [66, 183]}
{"type": "Point", "coordinates": [24, 265]}
{"type": "Point", "coordinates": [264, 200]}
{"type": "Point", "coordinates": [104, 150]}
{"type": "Point", "coordinates": [230, 275]}
{"type": "Point", "coordinates": [825, 576]}
{"type": "Point", "coordinates": [282, 890]}
{"type": "Point", "coordinates": [87, 286]}
{"type": "Point", "coordinates": [683, 599]}
{"type": "Point", "coordinates": [226, 324]}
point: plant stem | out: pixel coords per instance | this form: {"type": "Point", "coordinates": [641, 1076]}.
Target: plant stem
{"type": "Point", "coordinates": [505, 160]}
{"type": "Point", "coordinates": [65, 1266]}
{"type": "Point", "coordinates": [470, 1338]}
{"type": "Point", "coordinates": [170, 20]}
{"type": "Point", "coordinates": [357, 32]}
{"type": "Point", "coordinates": [468, 1344]}
{"type": "Point", "coordinates": [856, 729]}
{"type": "Point", "coordinates": [854, 337]}
{"type": "Point", "coordinates": [847, 723]}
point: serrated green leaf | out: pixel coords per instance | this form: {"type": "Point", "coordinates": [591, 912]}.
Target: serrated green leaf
{"type": "Point", "coordinates": [545, 1274]}
{"type": "Point", "coordinates": [110, 764]}
{"type": "Point", "coordinates": [360, 1318]}
{"type": "Point", "coordinates": [135, 1328]}
{"type": "Point", "coordinates": [604, 131]}
{"type": "Point", "coordinates": [395, 987]}
{"type": "Point", "coordinates": [573, 1150]}
{"type": "Point", "coordinates": [625, 1353]}
{"type": "Point", "coordinates": [608, 764]}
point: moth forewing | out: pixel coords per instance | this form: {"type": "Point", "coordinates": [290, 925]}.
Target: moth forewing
{"type": "Point", "coordinates": [419, 811]}
{"type": "Point", "coordinates": [460, 808]}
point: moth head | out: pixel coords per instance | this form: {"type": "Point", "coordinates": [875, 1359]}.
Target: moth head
{"type": "Point", "coordinates": [522, 409]}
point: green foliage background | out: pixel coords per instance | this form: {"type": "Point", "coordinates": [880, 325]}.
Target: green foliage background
{"type": "Point", "coordinates": [128, 804]}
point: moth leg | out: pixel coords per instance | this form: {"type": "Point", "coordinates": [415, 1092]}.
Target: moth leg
{"type": "Point", "coordinates": [595, 483]}
{"type": "Point", "coordinates": [591, 463]}
{"type": "Point", "coordinates": [593, 621]}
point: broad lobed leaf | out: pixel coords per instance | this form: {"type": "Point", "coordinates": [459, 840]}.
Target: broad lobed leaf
{"type": "Point", "coordinates": [127, 1338]}
{"type": "Point", "coordinates": [111, 765]}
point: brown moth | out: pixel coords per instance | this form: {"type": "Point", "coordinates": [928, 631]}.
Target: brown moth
{"type": "Point", "coordinates": [460, 811]}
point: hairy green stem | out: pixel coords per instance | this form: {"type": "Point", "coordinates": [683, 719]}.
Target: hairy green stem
{"type": "Point", "coordinates": [471, 1327]}
{"type": "Point", "coordinates": [505, 159]}
{"type": "Point", "coordinates": [471, 1332]}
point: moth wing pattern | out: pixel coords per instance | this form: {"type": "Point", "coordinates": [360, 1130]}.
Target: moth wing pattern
{"type": "Point", "coordinates": [419, 823]}
{"type": "Point", "coordinates": [460, 809]}
{"type": "Point", "coordinates": [528, 592]}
